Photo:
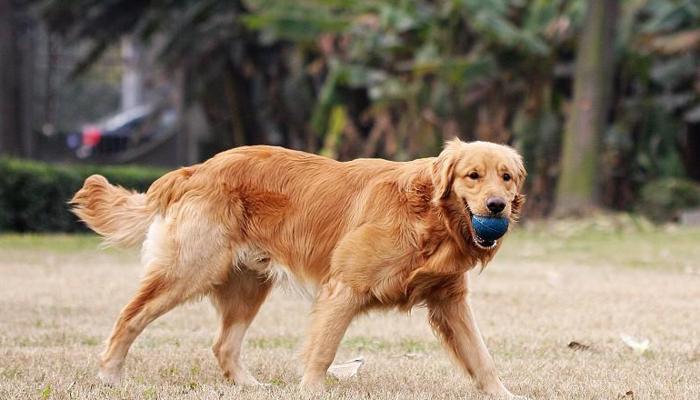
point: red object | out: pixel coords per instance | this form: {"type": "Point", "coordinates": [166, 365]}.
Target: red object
{"type": "Point", "coordinates": [91, 136]}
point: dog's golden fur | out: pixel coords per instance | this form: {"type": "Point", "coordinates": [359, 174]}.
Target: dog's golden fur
{"type": "Point", "coordinates": [363, 234]}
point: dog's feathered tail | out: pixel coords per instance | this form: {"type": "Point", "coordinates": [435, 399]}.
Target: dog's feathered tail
{"type": "Point", "coordinates": [123, 216]}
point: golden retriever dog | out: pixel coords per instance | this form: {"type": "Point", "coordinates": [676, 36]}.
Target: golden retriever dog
{"type": "Point", "coordinates": [361, 235]}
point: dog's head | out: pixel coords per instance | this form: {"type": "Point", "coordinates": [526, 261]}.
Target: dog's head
{"type": "Point", "coordinates": [479, 178]}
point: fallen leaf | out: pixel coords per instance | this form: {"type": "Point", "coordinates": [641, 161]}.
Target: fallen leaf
{"type": "Point", "coordinates": [578, 346]}
{"type": "Point", "coordinates": [638, 345]}
{"type": "Point", "coordinates": [629, 395]}
{"type": "Point", "coordinates": [347, 369]}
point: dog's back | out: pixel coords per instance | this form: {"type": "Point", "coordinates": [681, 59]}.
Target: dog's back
{"type": "Point", "coordinates": [292, 206]}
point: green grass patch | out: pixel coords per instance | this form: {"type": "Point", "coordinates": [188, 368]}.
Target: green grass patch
{"type": "Point", "coordinates": [617, 241]}
{"type": "Point", "coordinates": [590, 244]}
{"type": "Point", "coordinates": [274, 342]}
{"type": "Point", "coordinates": [279, 382]}
{"type": "Point", "coordinates": [365, 343]}
{"type": "Point", "coordinates": [404, 345]}
{"type": "Point", "coordinates": [355, 343]}
{"type": "Point", "coordinates": [61, 243]}
{"type": "Point", "coordinates": [11, 372]}
{"type": "Point", "coordinates": [45, 392]}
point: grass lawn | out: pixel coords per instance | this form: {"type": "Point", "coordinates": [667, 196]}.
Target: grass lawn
{"type": "Point", "coordinates": [552, 284]}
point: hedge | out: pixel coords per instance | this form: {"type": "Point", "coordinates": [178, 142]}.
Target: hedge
{"type": "Point", "coordinates": [34, 195]}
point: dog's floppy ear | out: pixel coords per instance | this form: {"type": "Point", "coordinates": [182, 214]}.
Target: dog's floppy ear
{"type": "Point", "coordinates": [520, 172]}
{"type": "Point", "coordinates": [519, 199]}
{"type": "Point", "coordinates": [443, 169]}
{"type": "Point", "coordinates": [516, 206]}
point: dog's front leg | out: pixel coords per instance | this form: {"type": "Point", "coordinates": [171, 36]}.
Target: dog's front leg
{"type": "Point", "coordinates": [455, 324]}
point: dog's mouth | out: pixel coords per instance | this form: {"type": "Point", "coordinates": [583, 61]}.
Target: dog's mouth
{"type": "Point", "coordinates": [483, 243]}
{"type": "Point", "coordinates": [478, 240]}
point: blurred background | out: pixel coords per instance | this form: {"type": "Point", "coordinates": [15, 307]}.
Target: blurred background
{"type": "Point", "coordinates": [601, 97]}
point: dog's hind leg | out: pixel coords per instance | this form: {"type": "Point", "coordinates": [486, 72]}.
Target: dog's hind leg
{"type": "Point", "coordinates": [237, 301]}
{"type": "Point", "coordinates": [157, 295]}
{"type": "Point", "coordinates": [185, 258]}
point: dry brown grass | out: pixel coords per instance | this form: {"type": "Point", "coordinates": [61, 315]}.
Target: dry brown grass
{"type": "Point", "coordinates": [59, 297]}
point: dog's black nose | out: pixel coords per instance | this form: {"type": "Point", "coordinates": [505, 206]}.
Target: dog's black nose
{"type": "Point", "coordinates": [495, 204]}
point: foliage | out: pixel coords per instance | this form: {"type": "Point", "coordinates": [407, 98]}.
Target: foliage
{"type": "Point", "coordinates": [662, 199]}
{"type": "Point", "coordinates": [403, 74]}
{"type": "Point", "coordinates": [656, 92]}
{"type": "Point", "coordinates": [393, 78]}
{"type": "Point", "coordinates": [33, 195]}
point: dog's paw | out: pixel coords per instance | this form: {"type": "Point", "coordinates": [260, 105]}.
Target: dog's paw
{"type": "Point", "coordinates": [511, 396]}
{"type": "Point", "coordinates": [110, 378]}
{"type": "Point", "coordinates": [243, 378]}
{"type": "Point", "coordinates": [504, 395]}
{"type": "Point", "coordinates": [312, 388]}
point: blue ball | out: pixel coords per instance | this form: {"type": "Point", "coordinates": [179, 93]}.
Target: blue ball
{"type": "Point", "coordinates": [489, 228]}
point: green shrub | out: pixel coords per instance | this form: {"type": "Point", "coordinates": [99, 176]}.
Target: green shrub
{"type": "Point", "coordinates": [34, 195]}
{"type": "Point", "coordinates": [663, 198]}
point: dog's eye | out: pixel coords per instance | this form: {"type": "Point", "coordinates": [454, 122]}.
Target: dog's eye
{"type": "Point", "coordinates": [473, 175]}
{"type": "Point", "coordinates": [506, 177]}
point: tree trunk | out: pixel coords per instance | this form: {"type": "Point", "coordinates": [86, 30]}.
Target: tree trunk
{"type": "Point", "coordinates": [578, 186]}
{"type": "Point", "coordinates": [133, 76]}
{"type": "Point", "coordinates": [10, 80]}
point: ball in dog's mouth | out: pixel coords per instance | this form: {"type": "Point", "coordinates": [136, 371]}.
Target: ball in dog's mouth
{"type": "Point", "coordinates": [488, 229]}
